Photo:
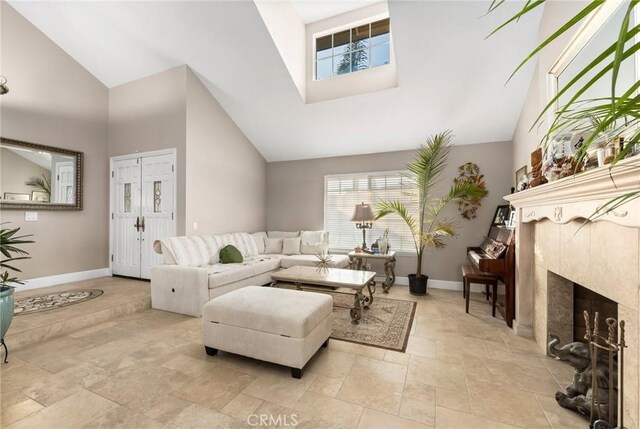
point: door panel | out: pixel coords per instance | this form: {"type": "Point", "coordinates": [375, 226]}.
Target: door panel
{"type": "Point", "coordinates": [157, 207]}
{"type": "Point", "coordinates": [142, 201]}
{"type": "Point", "coordinates": [65, 173]}
{"type": "Point", "coordinates": [126, 212]}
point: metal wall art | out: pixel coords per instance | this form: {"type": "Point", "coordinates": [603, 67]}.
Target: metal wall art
{"type": "Point", "coordinates": [468, 207]}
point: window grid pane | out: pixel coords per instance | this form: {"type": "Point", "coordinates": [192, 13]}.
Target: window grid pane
{"type": "Point", "coordinates": [342, 193]}
{"type": "Point", "coordinates": [358, 48]}
{"type": "Point", "coordinates": [127, 198]}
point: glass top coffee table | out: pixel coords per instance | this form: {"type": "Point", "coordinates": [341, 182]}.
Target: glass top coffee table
{"type": "Point", "coordinates": [333, 278]}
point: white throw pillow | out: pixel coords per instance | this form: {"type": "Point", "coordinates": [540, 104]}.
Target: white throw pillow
{"type": "Point", "coordinates": [273, 245]}
{"type": "Point", "coordinates": [291, 246]}
{"type": "Point", "coordinates": [314, 242]}
{"type": "Point", "coordinates": [259, 237]}
{"type": "Point", "coordinates": [283, 234]}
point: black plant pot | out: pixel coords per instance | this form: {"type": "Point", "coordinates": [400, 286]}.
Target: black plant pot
{"type": "Point", "coordinates": [418, 285]}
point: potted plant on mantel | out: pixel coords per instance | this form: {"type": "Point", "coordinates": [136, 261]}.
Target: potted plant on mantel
{"type": "Point", "coordinates": [430, 227]}
{"type": "Point", "coordinates": [10, 253]}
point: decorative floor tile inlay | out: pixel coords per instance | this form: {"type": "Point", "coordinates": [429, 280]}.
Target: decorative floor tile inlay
{"type": "Point", "coordinates": [34, 304]}
{"type": "Point", "coordinates": [385, 324]}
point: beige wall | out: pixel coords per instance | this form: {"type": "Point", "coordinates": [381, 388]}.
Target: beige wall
{"type": "Point", "coordinates": [56, 102]}
{"type": "Point", "coordinates": [295, 192]}
{"type": "Point", "coordinates": [151, 114]}
{"type": "Point", "coordinates": [525, 141]}
{"type": "Point", "coordinates": [375, 79]}
{"type": "Point", "coordinates": [225, 175]}
{"type": "Point", "coordinates": [217, 165]}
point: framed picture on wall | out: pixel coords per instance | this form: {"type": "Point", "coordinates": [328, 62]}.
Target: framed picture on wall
{"type": "Point", "coordinates": [13, 196]}
{"type": "Point", "coordinates": [520, 175]}
{"type": "Point", "coordinates": [501, 216]}
{"type": "Point", "coordinates": [39, 196]}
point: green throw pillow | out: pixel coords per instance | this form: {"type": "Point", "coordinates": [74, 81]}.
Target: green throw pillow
{"type": "Point", "coordinates": [230, 255]}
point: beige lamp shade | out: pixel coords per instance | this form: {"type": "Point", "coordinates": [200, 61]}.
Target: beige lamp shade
{"type": "Point", "coordinates": [362, 213]}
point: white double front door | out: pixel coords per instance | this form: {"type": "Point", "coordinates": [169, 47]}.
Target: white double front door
{"type": "Point", "coordinates": [142, 211]}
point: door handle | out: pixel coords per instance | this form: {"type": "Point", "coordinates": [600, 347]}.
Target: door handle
{"type": "Point", "coordinates": [137, 224]}
{"type": "Point", "coordinates": [142, 225]}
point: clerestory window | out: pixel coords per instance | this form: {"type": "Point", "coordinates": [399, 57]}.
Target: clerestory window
{"type": "Point", "coordinates": [359, 48]}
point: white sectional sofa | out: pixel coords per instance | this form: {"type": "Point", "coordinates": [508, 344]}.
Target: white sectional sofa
{"type": "Point", "coordinates": [192, 273]}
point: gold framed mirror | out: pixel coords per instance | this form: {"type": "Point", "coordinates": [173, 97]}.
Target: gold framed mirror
{"type": "Point", "coordinates": [39, 177]}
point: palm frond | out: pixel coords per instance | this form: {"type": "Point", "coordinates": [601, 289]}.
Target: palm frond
{"type": "Point", "coordinates": [528, 7]}
{"type": "Point", "coordinates": [8, 247]}
{"type": "Point", "coordinates": [431, 160]}
{"type": "Point", "coordinates": [589, 84]}
{"type": "Point", "coordinates": [615, 114]}
{"type": "Point", "coordinates": [612, 205]}
{"type": "Point", "coordinates": [495, 4]}
{"type": "Point", "coordinates": [41, 183]}
{"type": "Point", "coordinates": [594, 4]}
{"type": "Point", "coordinates": [397, 207]}
{"type": "Point", "coordinates": [617, 61]}
{"type": "Point", "coordinates": [444, 228]}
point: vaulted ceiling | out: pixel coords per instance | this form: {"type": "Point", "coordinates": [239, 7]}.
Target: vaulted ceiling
{"type": "Point", "coordinates": [449, 76]}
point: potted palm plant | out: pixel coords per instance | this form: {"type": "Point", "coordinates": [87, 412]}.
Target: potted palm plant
{"type": "Point", "coordinates": [428, 226]}
{"type": "Point", "coordinates": [9, 243]}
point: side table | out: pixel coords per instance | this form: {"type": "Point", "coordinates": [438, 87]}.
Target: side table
{"type": "Point", "coordinates": [358, 261]}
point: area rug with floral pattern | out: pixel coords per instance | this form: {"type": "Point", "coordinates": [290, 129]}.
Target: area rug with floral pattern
{"type": "Point", "coordinates": [385, 324]}
{"type": "Point", "coordinates": [34, 304]}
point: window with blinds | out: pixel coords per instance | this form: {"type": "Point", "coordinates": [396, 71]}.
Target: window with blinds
{"type": "Point", "coordinates": [343, 192]}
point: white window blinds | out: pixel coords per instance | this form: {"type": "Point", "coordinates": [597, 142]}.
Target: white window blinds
{"type": "Point", "coordinates": [343, 192]}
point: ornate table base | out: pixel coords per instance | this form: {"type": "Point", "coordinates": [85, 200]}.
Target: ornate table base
{"type": "Point", "coordinates": [334, 278]}
{"type": "Point", "coordinates": [360, 300]}
{"type": "Point", "coordinates": [357, 262]}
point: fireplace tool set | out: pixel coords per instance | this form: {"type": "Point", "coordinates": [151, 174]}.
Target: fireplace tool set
{"type": "Point", "coordinates": [607, 385]}
{"type": "Point", "coordinates": [597, 384]}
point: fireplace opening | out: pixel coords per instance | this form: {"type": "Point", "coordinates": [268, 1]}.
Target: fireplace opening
{"type": "Point", "coordinates": [592, 302]}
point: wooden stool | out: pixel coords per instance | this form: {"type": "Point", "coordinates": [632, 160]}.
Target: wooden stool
{"type": "Point", "coordinates": [471, 274]}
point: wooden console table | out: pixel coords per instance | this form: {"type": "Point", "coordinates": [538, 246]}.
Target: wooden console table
{"type": "Point", "coordinates": [358, 261]}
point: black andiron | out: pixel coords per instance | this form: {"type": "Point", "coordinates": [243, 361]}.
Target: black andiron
{"type": "Point", "coordinates": [595, 388]}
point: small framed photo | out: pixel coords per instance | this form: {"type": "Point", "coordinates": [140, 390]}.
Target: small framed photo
{"type": "Point", "coordinates": [520, 174]}
{"type": "Point", "coordinates": [501, 216]}
{"type": "Point", "coordinates": [13, 196]}
{"type": "Point", "coordinates": [512, 219]}
{"type": "Point", "coordinates": [39, 196]}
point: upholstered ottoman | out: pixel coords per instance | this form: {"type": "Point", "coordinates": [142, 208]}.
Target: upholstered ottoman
{"type": "Point", "coordinates": [282, 326]}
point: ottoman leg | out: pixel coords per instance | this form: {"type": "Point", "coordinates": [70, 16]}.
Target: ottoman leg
{"type": "Point", "coordinates": [326, 343]}
{"type": "Point", "coordinates": [210, 351]}
{"type": "Point", "coordinates": [296, 372]}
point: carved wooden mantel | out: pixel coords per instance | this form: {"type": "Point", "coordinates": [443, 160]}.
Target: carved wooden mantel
{"type": "Point", "coordinates": [579, 196]}
{"type": "Point", "coordinates": [575, 197]}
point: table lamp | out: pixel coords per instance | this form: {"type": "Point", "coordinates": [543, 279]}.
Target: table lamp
{"type": "Point", "coordinates": [363, 217]}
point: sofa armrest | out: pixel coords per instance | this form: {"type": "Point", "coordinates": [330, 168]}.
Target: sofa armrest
{"type": "Point", "coordinates": [179, 289]}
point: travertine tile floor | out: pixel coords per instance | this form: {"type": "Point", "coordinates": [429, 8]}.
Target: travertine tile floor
{"type": "Point", "coordinates": [149, 370]}
{"type": "Point", "coordinates": [120, 297]}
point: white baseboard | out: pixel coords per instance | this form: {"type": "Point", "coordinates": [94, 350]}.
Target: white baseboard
{"type": "Point", "coordinates": [522, 330]}
{"type": "Point", "coordinates": [63, 278]}
{"type": "Point", "coordinates": [448, 285]}
{"type": "Point", "coordinates": [433, 283]}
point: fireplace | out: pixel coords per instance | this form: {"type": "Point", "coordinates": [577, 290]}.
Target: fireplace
{"type": "Point", "coordinates": [587, 300]}
{"type": "Point", "coordinates": [556, 248]}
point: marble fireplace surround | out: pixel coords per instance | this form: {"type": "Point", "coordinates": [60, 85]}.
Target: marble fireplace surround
{"type": "Point", "coordinates": [555, 248]}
